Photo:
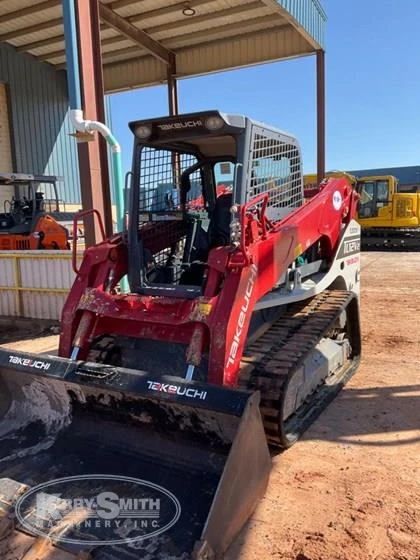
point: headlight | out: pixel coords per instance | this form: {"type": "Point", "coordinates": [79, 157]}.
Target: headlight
{"type": "Point", "coordinates": [214, 123]}
{"type": "Point", "coordinates": [143, 131]}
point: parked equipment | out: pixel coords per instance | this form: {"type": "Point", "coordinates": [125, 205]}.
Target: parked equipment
{"type": "Point", "coordinates": [311, 186]}
{"type": "Point", "coordinates": [390, 220]}
{"type": "Point", "coordinates": [29, 219]}
{"type": "Point", "coordinates": [250, 299]}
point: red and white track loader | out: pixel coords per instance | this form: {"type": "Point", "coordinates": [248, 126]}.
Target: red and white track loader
{"type": "Point", "coordinates": [240, 324]}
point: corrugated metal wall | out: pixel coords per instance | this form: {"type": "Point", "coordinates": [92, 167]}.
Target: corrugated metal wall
{"type": "Point", "coordinates": [39, 121]}
{"type": "Point", "coordinates": [6, 164]}
{"type": "Point", "coordinates": [234, 52]}
{"type": "Point", "coordinates": [35, 284]}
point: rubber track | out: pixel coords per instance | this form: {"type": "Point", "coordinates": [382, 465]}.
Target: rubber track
{"type": "Point", "coordinates": [270, 362]}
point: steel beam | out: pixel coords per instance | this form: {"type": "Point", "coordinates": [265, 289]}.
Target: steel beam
{"type": "Point", "coordinates": [53, 40]}
{"type": "Point", "coordinates": [173, 110]}
{"type": "Point", "coordinates": [31, 29]}
{"type": "Point", "coordinates": [178, 25]}
{"type": "Point", "coordinates": [143, 17]}
{"type": "Point", "coordinates": [29, 10]}
{"type": "Point", "coordinates": [320, 113]}
{"type": "Point", "coordinates": [117, 4]}
{"type": "Point", "coordinates": [192, 39]}
{"type": "Point", "coordinates": [173, 9]}
{"type": "Point", "coordinates": [172, 86]}
{"type": "Point", "coordinates": [93, 160]}
{"type": "Point", "coordinates": [124, 27]}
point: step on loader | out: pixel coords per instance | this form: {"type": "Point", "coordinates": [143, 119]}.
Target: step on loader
{"type": "Point", "coordinates": [240, 324]}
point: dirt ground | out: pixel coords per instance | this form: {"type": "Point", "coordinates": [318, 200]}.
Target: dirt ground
{"type": "Point", "coordinates": [350, 489]}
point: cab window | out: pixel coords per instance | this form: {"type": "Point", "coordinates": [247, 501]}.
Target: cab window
{"type": "Point", "coordinates": [382, 195]}
{"type": "Point", "coordinates": [368, 192]}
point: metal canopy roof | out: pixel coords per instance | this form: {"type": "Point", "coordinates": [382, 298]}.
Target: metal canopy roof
{"type": "Point", "coordinates": [137, 36]}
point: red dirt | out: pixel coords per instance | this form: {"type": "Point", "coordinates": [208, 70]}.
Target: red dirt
{"type": "Point", "coordinates": [350, 489]}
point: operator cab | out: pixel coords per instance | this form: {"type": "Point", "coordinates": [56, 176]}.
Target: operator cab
{"type": "Point", "coordinates": [375, 193]}
{"type": "Point", "coordinates": [190, 175]}
{"type": "Point", "coordinates": [23, 198]}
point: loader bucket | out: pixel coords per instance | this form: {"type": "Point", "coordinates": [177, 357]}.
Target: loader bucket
{"type": "Point", "coordinates": [203, 445]}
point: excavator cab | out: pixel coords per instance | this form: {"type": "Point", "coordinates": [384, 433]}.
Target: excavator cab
{"type": "Point", "coordinates": [375, 193]}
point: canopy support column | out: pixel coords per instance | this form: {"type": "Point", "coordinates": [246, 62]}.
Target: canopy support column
{"type": "Point", "coordinates": [93, 160]}
{"type": "Point", "coordinates": [172, 86]}
{"type": "Point", "coordinates": [320, 113]}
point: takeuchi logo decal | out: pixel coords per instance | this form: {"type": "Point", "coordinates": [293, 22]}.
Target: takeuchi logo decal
{"type": "Point", "coordinates": [27, 362]}
{"type": "Point", "coordinates": [180, 125]}
{"type": "Point", "coordinates": [98, 509]}
{"type": "Point", "coordinates": [176, 390]}
{"type": "Point", "coordinates": [242, 317]}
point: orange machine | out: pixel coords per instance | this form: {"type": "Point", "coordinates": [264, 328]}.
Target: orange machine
{"type": "Point", "coordinates": [25, 222]}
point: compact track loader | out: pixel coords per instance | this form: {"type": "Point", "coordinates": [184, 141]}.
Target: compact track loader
{"type": "Point", "coordinates": [241, 318]}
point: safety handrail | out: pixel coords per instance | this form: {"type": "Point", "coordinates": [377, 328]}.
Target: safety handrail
{"type": "Point", "coordinates": [263, 197]}
{"type": "Point", "coordinates": [76, 220]}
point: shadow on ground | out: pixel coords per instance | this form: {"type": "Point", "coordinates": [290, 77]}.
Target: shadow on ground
{"type": "Point", "coordinates": [17, 334]}
{"type": "Point", "coordinates": [382, 416]}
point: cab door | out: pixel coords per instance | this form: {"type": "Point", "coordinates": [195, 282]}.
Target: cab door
{"type": "Point", "coordinates": [374, 195]}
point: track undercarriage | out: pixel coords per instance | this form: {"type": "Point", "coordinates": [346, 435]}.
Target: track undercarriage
{"type": "Point", "coordinates": [301, 362]}
{"type": "Point", "coordinates": [390, 239]}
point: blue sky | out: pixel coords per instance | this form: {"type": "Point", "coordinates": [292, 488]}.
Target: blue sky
{"type": "Point", "coordinates": [372, 90]}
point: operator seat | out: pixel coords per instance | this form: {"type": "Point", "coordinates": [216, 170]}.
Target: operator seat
{"type": "Point", "coordinates": [218, 235]}
{"type": "Point", "coordinates": [219, 226]}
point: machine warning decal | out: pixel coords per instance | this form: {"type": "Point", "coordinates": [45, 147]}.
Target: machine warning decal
{"type": "Point", "coordinates": [350, 246]}
{"type": "Point", "coordinates": [337, 200]}
{"type": "Point", "coordinates": [352, 260]}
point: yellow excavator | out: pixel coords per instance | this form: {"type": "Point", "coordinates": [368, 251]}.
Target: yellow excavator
{"type": "Point", "coordinates": [390, 220]}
